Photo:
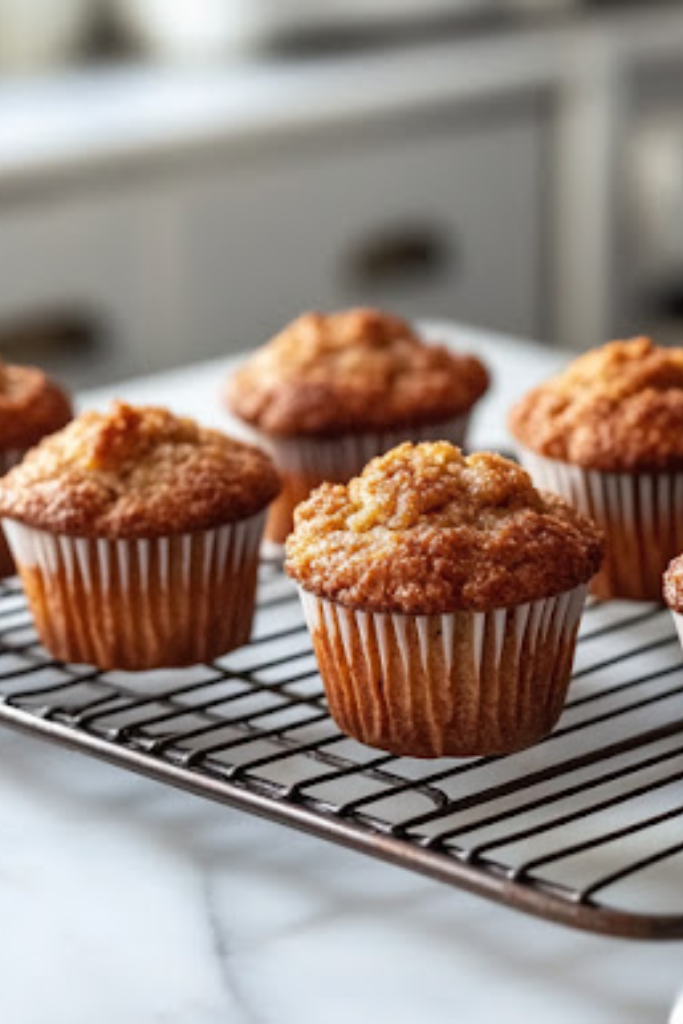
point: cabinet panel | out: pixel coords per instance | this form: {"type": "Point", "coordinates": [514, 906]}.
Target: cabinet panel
{"type": "Point", "coordinates": [441, 221]}
{"type": "Point", "coordinates": [104, 257]}
{"type": "Point", "coordinates": [180, 262]}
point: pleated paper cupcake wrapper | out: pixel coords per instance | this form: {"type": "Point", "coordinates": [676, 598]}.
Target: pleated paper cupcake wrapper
{"type": "Point", "coordinates": [641, 513]}
{"type": "Point", "coordinates": [8, 458]}
{"type": "Point", "coordinates": [305, 463]}
{"type": "Point", "coordinates": [678, 623]}
{"type": "Point", "coordinates": [458, 684]}
{"type": "Point", "coordinates": [140, 604]}
{"type": "Point", "coordinates": [340, 458]}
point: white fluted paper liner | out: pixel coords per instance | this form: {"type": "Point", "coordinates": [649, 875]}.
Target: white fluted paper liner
{"type": "Point", "coordinates": [678, 622]}
{"type": "Point", "coordinates": [8, 458]}
{"type": "Point", "coordinates": [641, 513]}
{"type": "Point", "coordinates": [134, 603]}
{"type": "Point", "coordinates": [340, 458]}
{"type": "Point", "coordinates": [455, 684]}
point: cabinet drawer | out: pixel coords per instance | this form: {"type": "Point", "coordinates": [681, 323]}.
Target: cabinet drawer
{"type": "Point", "coordinates": [431, 218]}
{"type": "Point", "coordinates": [444, 219]}
{"type": "Point", "coordinates": [80, 257]}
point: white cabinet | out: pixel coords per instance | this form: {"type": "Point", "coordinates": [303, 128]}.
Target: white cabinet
{"type": "Point", "coordinates": [82, 257]}
{"type": "Point", "coordinates": [440, 218]}
{"type": "Point", "coordinates": [439, 215]}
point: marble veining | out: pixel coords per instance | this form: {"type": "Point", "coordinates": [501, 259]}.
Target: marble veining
{"type": "Point", "coordinates": [233, 981]}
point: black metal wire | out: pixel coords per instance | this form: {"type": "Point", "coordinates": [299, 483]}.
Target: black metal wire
{"type": "Point", "coordinates": [225, 731]}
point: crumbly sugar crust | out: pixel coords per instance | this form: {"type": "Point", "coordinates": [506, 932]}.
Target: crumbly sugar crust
{"type": "Point", "coordinates": [352, 371]}
{"type": "Point", "coordinates": [137, 472]}
{"type": "Point", "coordinates": [618, 408]}
{"type": "Point", "coordinates": [425, 530]}
{"type": "Point", "coordinates": [31, 406]}
{"type": "Point", "coordinates": [673, 585]}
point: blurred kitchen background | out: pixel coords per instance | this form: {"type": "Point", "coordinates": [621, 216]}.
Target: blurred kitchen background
{"type": "Point", "coordinates": [178, 178]}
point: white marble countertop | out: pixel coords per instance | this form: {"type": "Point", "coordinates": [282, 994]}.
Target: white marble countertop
{"type": "Point", "coordinates": [114, 115]}
{"type": "Point", "coordinates": [126, 901]}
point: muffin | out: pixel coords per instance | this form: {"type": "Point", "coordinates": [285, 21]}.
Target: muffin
{"type": "Point", "coordinates": [31, 406]}
{"type": "Point", "coordinates": [331, 392]}
{"type": "Point", "coordinates": [673, 592]}
{"type": "Point", "coordinates": [136, 534]}
{"type": "Point", "coordinates": [443, 595]}
{"type": "Point", "coordinates": [607, 435]}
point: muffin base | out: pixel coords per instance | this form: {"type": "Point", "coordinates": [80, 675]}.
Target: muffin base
{"type": "Point", "coordinates": [453, 685]}
{"type": "Point", "coordinates": [641, 513]}
{"type": "Point", "coordinates": [140, 604]}
{"type": "Point", "coordinates": [305, 463]}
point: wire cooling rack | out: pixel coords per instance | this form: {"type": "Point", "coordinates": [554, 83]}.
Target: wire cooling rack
{"type": "Point", "coordinates": [585, 828]}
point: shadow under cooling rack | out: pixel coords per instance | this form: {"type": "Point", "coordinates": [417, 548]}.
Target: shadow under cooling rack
{"type": "Point", "coordinates": [585, 828]}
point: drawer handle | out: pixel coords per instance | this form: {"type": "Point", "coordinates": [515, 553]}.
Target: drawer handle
{"type": "Point", "coordinates": [411, 254]}
{"type": "Point", "coordinates": [39, 336]}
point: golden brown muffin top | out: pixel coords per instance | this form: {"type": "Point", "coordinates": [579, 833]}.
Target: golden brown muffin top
{"type": "Point", "coordinates": [425, 530]}
{"type": "Point", "coordinates": [618, 408]}
{"type": "Point", "coordinates": [31, 406]}
{"type": "Point", "coordinates": [137, 472]}
{"type": "Point", "coordinates": [673, 584]}
{"type": "Point", "coordinates": [352, 371]}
